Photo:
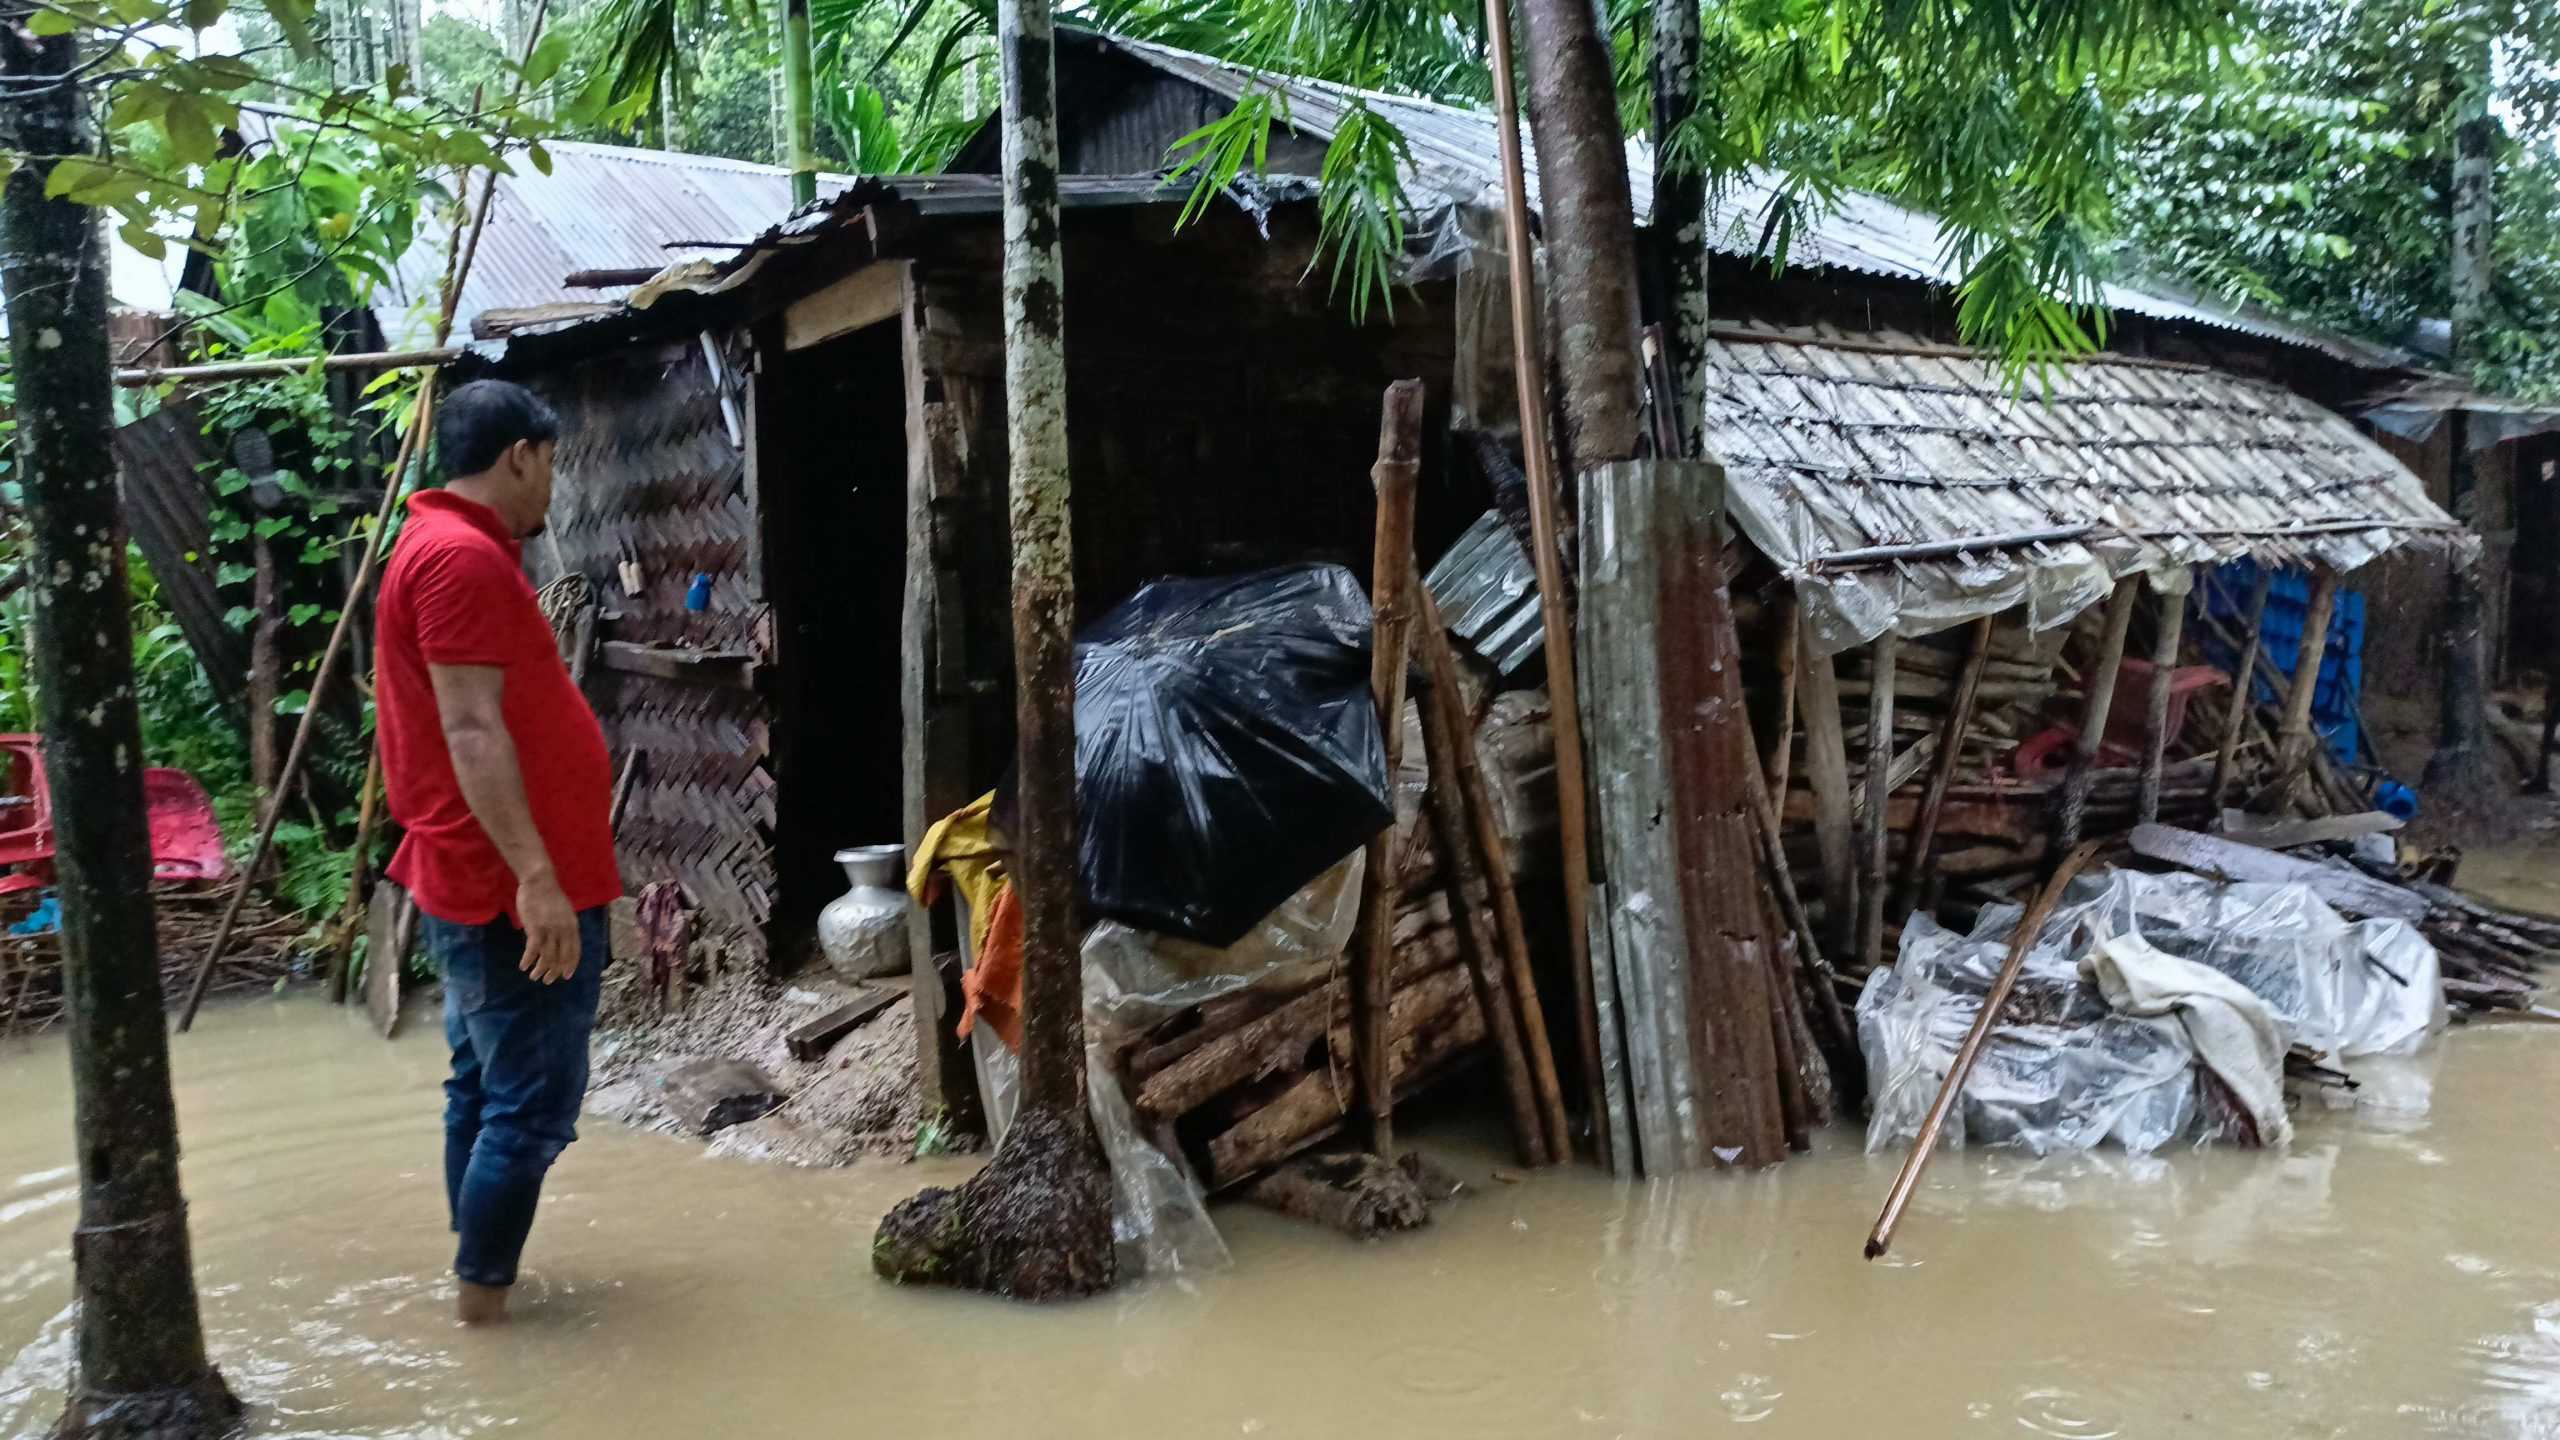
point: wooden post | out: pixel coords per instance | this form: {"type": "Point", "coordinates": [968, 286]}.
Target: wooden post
{"type": "Point", "coordinates": [1826, 763]}
{"type": "Point", "coordinates": [2244, 683]}
{"type": "Point", "coordinates": [1879, 784]}
{"type": "Point", "coordinates": [1555, 614]}
{"type": "Point", "coordinates": [341, 948]}
{"type": "Point", "coordinates": [1391, 581]}
{"type": "Point", "coordinates": [2101, 684]}
{"type": "Point", "coordinates": [2294, 740]}
{"type": "Point", "coordinates": [1442, 664]}
{"type": "Point", "coordinates": [2171, 625]}
{"type": "Point", "coordinates": [1951, 735]}
{"type": "Point", "coordinates": [266, 668]}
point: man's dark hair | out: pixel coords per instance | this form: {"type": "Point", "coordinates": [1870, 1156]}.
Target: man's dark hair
{"type": "Point", "coordinates": [476, 423]}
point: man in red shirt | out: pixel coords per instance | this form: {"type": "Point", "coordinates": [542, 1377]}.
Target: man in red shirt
{"type": "Point", "coordinates": [497, 770]}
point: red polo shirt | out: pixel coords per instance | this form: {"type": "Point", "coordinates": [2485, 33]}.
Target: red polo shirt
{"type": "Point", "coordinates": [455, 594]}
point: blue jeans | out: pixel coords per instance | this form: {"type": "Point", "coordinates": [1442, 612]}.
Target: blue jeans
{"type": "Point", "coordinates": [519, 1078]}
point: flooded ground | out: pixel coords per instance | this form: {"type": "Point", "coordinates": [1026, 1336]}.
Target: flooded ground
{"type": "Point", "coordinates": [2393, 1275]}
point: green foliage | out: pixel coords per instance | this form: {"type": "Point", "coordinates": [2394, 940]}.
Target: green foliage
{"type": "Point", "coordinates": [2309, 169]}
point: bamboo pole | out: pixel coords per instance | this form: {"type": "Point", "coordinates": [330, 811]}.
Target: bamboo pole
{"type": "Point", "coordinates": [1879, 785]}
{"type": "Point", "coordinates": [2294, 740]}
{"type": "Point", "coordinates": [1924, 833]}
{"type": "Point", "coordinates": [2244, 683]}
{"type": "Point", "coordinates": [2093, 713]}
{"type": "Point", "coordinates": [2171, 627]}
{"type": "Point", "coordinates": [1391, 582]}
{"type": "Point", "coordinates": [1908, 1180]}
{"type": "Point", "coordinates": [1782, 747]}
{"type": "Point", "coordinates": [1442, 665]}
{"type": "Point", "coordinates": [1538, 454]}
{"type": "Point", "coordinates": [457, 273]}
{"type": "Point", "coordinates": [266, 369]}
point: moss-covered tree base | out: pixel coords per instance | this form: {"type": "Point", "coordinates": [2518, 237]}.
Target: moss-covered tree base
{"type": "Point", "coordinates": [202, 1411]}
{"type": "Point", "coordinates": [1034, 1225]}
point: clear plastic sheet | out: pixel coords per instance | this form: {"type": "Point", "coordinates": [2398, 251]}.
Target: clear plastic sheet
{"type": "Point", "coordinates": [1159, 1216]}
{"type": "Point", "coordinates": [1227, 748]}
{"type": "Point", "coordinates": [2063, 1072]}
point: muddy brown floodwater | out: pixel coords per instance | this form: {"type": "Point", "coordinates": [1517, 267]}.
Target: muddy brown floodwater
{"type": "Point", "coordinates": [2393, 1275]}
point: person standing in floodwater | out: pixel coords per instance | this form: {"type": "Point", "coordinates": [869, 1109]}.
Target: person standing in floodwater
{"type": "Point", "coordinates": [496, 768]}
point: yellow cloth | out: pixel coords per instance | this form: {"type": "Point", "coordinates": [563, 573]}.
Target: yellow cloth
{"type": "Point", "coordinates": [963, 845]}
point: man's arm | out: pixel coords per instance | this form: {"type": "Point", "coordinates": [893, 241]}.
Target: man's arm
{"type": "Point", "coordinates": [484, 762]}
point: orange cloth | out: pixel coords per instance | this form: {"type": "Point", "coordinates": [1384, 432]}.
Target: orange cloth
{"type": "Point", "coordinates": [992, 987]}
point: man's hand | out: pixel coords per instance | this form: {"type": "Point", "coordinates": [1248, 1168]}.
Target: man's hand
{"type": "Point", "coordinates": [550, 929]}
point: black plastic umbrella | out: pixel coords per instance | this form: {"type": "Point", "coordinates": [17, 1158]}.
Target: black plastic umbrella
{"type": "Point", "coordinates": [1227, 748]}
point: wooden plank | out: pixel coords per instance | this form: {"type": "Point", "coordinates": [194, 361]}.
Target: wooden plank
{"type": "Point", "coordinates": [391, 925]}
{"type": "Point", "coordinates": [1826, 764]}
{"type": "Point", "coordinates": [735, 669]}
{"type": "Point", "coordinates": [814, 1039]}
{"type": "Point", "coordinates": [868, 296]}
{"type": "Point", "coordinates": [2231, 860]}
{"type": "Point", "coordinates": [2269, 834]}
{"type": "Point", "coordinates": [2093, 713]}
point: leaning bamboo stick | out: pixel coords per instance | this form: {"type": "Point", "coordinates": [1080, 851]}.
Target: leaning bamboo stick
{"type": "Point", "coordinates": [1908, 1180]}
{"type": "Point", "coordinates": [1959, 719]}
{"type": "Point", "coordinates": [341, 949]}
{"type": "Point", "coordinates": [1391, 581]}
{"type": "Point", "coordinates": [2094, 711]}
{"type": "Point", "coordinates": [2244, 676]}
{"type": "Point", "coordinates": [2294, 740]}
{"type": "Point", "coordinates": [1462, 879]}
{"type": "Point", "coordinates": [458, 262]}
{"type": "Point", "coordinates": [1782, 747]}
{"type": "Point", "coordinates": [1538, 455]}
{"type": "Point", "coordinates": [1441, 663]}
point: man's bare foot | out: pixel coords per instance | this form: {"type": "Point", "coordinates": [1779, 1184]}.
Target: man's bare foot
{"type": "Point", "coordinates": [482, 1304]}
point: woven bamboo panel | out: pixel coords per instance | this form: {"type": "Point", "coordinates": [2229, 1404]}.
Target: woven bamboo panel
{"type": "Point", "coordinates": [649, 472]}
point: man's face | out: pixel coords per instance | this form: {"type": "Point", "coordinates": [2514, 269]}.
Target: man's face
{"type": "Point", "coordinates": [528, 466]}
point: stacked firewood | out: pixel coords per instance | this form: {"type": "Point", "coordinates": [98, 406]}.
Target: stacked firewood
{"type": "Point", "coordinates": [1248, 1080]}
{"type": "Point", "coordinates": [263, 950]}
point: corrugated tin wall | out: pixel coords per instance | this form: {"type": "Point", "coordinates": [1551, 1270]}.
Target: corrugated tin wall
{"type": "Point", "coordinates": [649, 472]}
{"type": "Point", "coordinates": [170, 514]}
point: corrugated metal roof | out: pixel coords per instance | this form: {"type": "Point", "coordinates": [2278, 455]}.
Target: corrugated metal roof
{"type": "Point", "coordinates": [602, 207]}
{"type": "Point", "coordinates": [2112, 467]}
{"type": "Point", "coordinates": [1457, 161]}
{"type": "Point", "coordinates": [1487, 594]}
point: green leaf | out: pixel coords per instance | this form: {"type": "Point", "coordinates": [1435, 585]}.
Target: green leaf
{"type": "Point", "coordinates": [49, 23]}
{"type": "Point", "coordinates": [202, 14]}
{"type": "Point", "coordinates": [189, 124]}
{"type": "Point", "coordinates": [541, 158]}
{"type": "Point", "coordinates": [293, 702]}
{"type": "Point", "coordinates": [232, 572]}
{"type": "Point", "coordinates": [239, 617]}
{"type": "Point", "coordinates": [91, 182]}
{"type": "Point", "coordinates": [293, 17]}
{"type": "Point", "coordinates": [546, 59]}
{"type": "Point", "coordinates": [141, 238]}
{"type": "Point", "coordinates": [302, 614]}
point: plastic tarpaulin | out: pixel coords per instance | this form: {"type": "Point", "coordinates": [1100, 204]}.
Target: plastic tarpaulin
{"type": "Point", "coordinates": [1227, 748]}
{"type": "Point", "coordinates": [2063, 1071]}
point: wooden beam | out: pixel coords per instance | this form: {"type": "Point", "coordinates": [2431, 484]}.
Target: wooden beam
{"type": "Point", "coordinates": [2222, 859]}
{"type": "Point", "coordinates": [2256, 830]}
{"type": "Point", "coordinates": [2294, 740]}
{"type": "Point", "coordinates": [2243, 684]}
{"type": "Point", "coordinates": [1826, 764]}
{"type": "Point", "coordinates": [736, 669]}
{"type": "Point", "coordinates": [1782, 746]}
{"type": "Point", "coordinates": [2171, 623]}
{"type": "Point", "coordinates": [1924, 834]}
{"type": "Point", "coordinates": [2093, 712]}
{"type": "Point", "coordinates": [868, 296]}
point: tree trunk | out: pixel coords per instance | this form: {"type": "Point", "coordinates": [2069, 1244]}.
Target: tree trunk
{"type": "Point", "coordinates": [2462, 778]}
{"type": "Point", "coordinates": [266, 670]}
{"type": "Point", "coordinates": [1590, 229]}
{"type": "Point", "coordinates": [1680, 215]}
{"type": "Point", "coordinates": [800, 105]}
{"type": "Point", "coordinates": [1036, 1223]}
{"type": "Point", "coordinates": [142, 1369]}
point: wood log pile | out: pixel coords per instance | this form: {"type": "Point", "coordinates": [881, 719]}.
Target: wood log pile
{"type": "Point", "coordinates": [263, 950]}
